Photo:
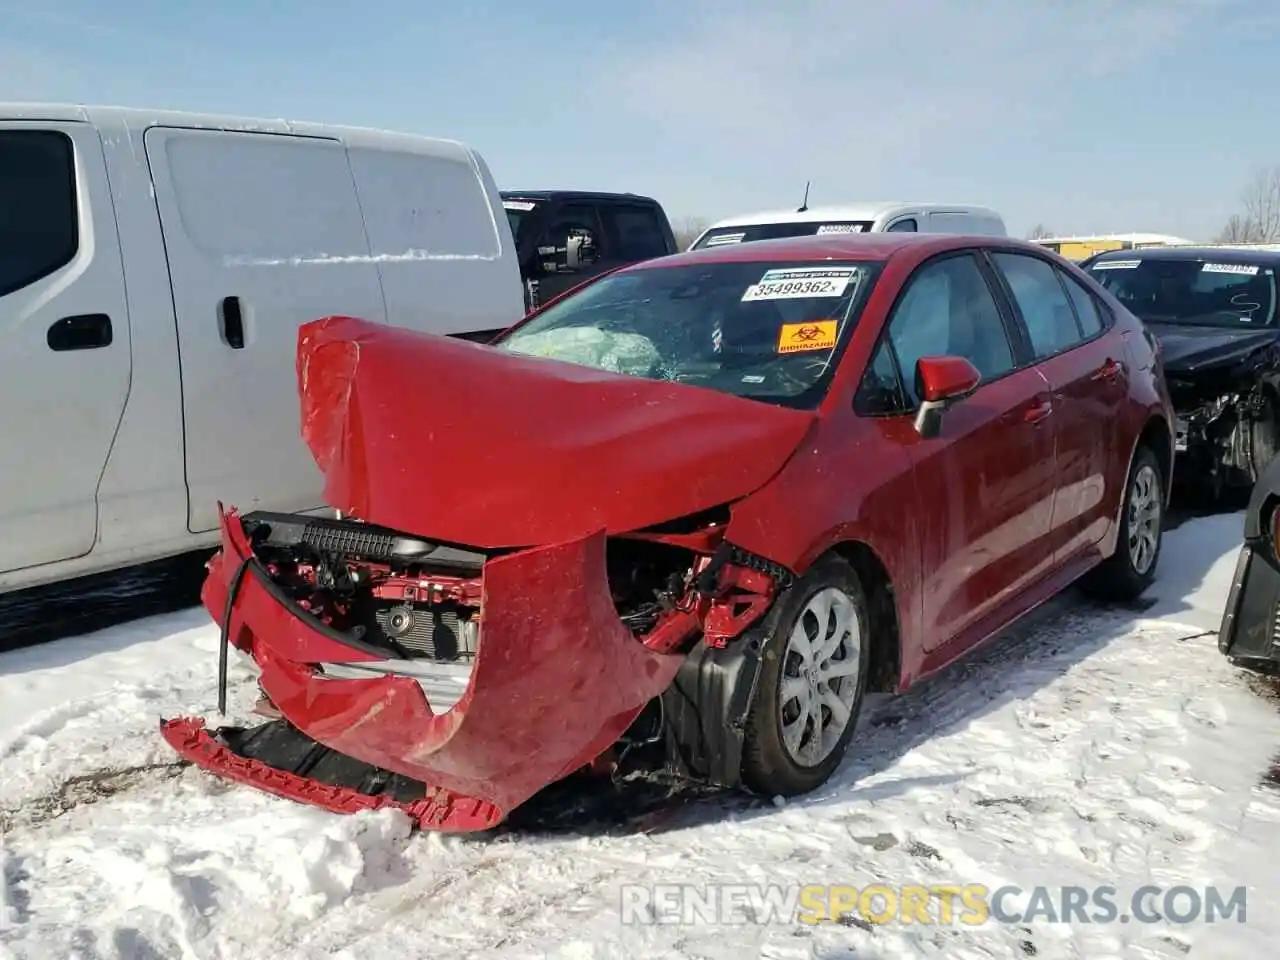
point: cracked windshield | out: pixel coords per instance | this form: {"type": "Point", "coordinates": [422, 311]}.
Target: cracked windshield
{"type": "Point", "coordinates": [766, 331]}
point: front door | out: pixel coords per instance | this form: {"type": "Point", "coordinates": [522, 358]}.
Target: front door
{"type": "Point", "coordinates": [986, 482]}
{"type": "Point", "coordinates": [264, 233]}
{"type": "Point", "coordinates": [570, 250]}
{"type": "Point", "coordinates": [64, 339]}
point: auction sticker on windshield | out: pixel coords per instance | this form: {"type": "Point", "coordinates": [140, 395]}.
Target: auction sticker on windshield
{"type": "Point", "coordinates": [814, 335]}
{"type": "Point", "coordinates": [794, 283]}
{"type": "Point", "coordinates": [1244, 269]}
{"type": "Point", "coordinates": [1116, 265]}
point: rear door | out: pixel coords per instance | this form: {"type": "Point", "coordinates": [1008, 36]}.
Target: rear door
{"type": "Point", "coordinates": [264, 232]}
{"type": "Point", "coordinates": [987, 480]}
{"type": "Point", "coordinates": [1087, 372]}
{"type": "Point", "coordinates": [64, 339]}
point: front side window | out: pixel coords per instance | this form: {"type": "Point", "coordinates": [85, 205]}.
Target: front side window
{"type": "Point", "coordinates": [769, 331]}
{"type": "Point", "coordinates": [39, 221]}
{"type": "Point", "coordinates": [1042, 301]}
{"type": "Point", "coordinates": [948, 310]}
{"type": "Point", "coordinates": [903, 226]}
{"type": "Point", "coordinates": [572, 243]}
{"type": "Point", "coordinates": [1191, 292]}
{"type": "Point", "coordinates": [723, 236]}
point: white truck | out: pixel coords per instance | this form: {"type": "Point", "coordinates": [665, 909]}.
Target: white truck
{"type": "Point", "coordinates": [865, 217]}
{"type": "Point", "coordinates": [154, 270]}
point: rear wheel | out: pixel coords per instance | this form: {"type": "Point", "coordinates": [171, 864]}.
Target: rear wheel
{"type": "Point", "coordinates": [1132, 567]}
{"type": "Point", "coordinates": [812, 681]}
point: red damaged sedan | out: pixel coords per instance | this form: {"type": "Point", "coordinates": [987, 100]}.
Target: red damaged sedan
{"type": "Point", "coordinates": [692, 511]}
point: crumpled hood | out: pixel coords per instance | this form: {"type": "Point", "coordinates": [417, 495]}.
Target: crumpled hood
{"type": "Point", "coordinates": [1186, 349]}
{"type": "Point", "coordinates": [468, 444]}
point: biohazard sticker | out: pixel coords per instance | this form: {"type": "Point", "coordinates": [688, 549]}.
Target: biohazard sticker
{"type": "Point", "coordinates": [795, 283]}
{"type": "Point", "coordinates": [1244, 269]}
{"type": "Point", "coordinates": [815, 335]}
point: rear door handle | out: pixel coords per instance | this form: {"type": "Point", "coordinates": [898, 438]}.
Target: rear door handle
{"type": "Point", "coordinates": [83, 331]}
{"type": "Point", "coordinates": [1109, 370]}
{"type": "Point", "coordinates": [1037, 412]}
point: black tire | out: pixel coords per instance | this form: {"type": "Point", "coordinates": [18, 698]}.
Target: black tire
{"type": "Point", "coordinates": [768, 767]}
{"type": "Point", "coordinates": [1117, 578]}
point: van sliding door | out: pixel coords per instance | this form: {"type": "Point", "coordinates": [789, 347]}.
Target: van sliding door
{"type": "Point", "coordinates": [263, 233]}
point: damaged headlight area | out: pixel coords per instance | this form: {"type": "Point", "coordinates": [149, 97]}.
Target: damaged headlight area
{"type": "Point", "coordinates": [457, 682]}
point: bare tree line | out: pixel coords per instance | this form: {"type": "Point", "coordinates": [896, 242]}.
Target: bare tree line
{"type": "Point", "coordinates": [687, 230]}
{"type": "Point", "coordinates": [1258, 220]}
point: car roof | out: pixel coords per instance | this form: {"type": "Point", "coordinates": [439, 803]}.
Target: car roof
{"type": "Point", "coordinates": [837, 246]}
{"type": "Point", "coordinates": [864, 210]}
{"type": "Point", "coordinates": [1248, 255]}
{"type": "Point", "coordinates": [546, 195]}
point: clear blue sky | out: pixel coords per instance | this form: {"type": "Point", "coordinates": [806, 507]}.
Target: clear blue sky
{"type": "Point", "coordinates": [1083, 115]}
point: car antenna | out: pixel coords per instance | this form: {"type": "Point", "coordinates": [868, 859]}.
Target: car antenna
{"type": "Point", "coordinates": [804, 204]}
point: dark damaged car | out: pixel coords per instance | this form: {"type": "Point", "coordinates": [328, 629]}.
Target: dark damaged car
{"type": "Point", "coordinates": [1213, 311]}
{"type": "Point", "coordinates": [682, 519]}
{"type": "Point", "coordinates": [1250, 630]}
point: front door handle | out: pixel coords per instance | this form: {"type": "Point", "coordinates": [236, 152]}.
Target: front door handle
{"type": "Point", "coordinates": [1109, 371]}
{"type": "Point", "coordinates": [84, 331]}
{"type": "Point", "coordinates": [1037, 412]}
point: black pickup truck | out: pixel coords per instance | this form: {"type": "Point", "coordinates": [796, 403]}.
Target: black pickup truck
{"type": "Point", "coordinates": [564, 237]}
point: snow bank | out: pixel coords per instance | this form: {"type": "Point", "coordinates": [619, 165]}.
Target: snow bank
{"type": "Point", "coordinates": [1086, 747]}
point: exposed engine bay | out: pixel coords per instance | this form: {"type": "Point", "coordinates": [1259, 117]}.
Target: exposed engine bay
{"type": "Point", "coordinates": [422, 600]}
{"type": "Point", "coordinates": [1227, 430]}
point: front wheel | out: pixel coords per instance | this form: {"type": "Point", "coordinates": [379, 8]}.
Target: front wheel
{"type": "Point", "coordinates": [1132, 567]}
{"type": "Point", "coordinates": [812, 681]}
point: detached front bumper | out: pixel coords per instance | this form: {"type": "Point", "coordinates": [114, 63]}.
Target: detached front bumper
{"type": "Point", "coordinates": [557, 679]}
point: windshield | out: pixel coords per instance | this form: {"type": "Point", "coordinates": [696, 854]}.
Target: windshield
{"type": "Point", "coordinates": [766, 331]}
{"type": "Point", "coordinates": [776, 231]}
{"type": "Point", "coordinates": [1191, 292]}
{"type": "Point", "coordinates": [518, 211]}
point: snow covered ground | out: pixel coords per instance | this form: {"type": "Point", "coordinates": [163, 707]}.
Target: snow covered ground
{"type": "Point", "coordinates": [1087, 748]}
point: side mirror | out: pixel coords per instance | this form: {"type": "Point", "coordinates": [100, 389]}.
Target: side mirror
{"type": "Point", "coordinates": [941, 382]}
{"type": "Point", "coordinates": [579, 250]}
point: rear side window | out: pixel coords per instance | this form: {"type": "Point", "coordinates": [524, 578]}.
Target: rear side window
{"type": "Point", "coordinates": [903, 226]}
{"type": "Point", "coordinates": [39, 226]}
{"type": "Point", "coordinates": [1045, 309]}
{"type": "Point", "coordinates": [638, 229]}
{"type": "Point", "coordinates": [417, 203]}
{"type": "Point", "coordinates": [264, 199]}
{"type": "Point", "coordinates": [1086, 307]}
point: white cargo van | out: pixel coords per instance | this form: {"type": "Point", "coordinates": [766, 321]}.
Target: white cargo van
{"type": "Point", "coordinates": [154, 269]}
{"type": "Point", "coordinates": [854, 218]}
